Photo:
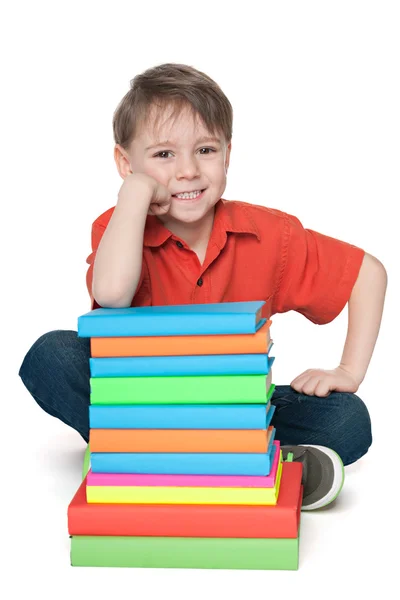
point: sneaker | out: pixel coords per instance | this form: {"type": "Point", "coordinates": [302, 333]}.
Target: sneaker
{"type": "Point", "coordinates": [323, 473]}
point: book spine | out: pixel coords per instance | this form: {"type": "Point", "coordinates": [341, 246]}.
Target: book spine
{"type": "Point", "coordinates": [166, 325]}
{"type": "Point", "coordinates": [190, 553]}
{"type": "Point", "coordinates": [178, 440]}
{"type": "Point", "coordinates": [218, 389]}
{"type": "Point", "coordinates": [181, 495]}
{"type": "Point", "coordinates": [180, 417]}
{"type": "Point", "coordinates": [181, 464]}
{"type": "Point", "coordinates": [158, 366]}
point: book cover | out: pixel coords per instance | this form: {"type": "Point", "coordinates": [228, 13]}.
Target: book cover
{"type": "Point", "coordinates": [185, 319]}
{"type": "Point", "coordinates": [198, 389]}
{"type": "Point", "coordinates": [166, 366]}
{"type": "Point", "coordinates": [259, 342]}
{"type": "Point", "coordinates": [182, 416]}
{"type": "Point", "coordinates": [180, 440]}
{"type": "Point", "coordinates": [193, 520]}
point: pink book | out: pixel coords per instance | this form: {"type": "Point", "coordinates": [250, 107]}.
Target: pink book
{"type": "Point", "coordinates": [227, 481]}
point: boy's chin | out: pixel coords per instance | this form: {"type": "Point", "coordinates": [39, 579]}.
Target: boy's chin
{"type": "Point", "coordinates": [186, 214]}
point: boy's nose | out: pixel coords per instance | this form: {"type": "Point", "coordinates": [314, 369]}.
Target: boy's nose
{"type": "Point", "coordinates": [187, 168]}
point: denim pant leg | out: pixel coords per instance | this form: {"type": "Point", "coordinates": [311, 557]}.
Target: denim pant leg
{"type": "Point", "coordinates": [339, 421]}
{"type": "Point", "coordinates": [56, 372]}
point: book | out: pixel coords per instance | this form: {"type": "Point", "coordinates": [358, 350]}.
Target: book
{"type": "Point", "coordinates": [180, 440]}
{"type": "Point", "coordinates": [185, 553]}
{"type": "Point", "coordinates": [191, 520]}
{"type": "Point", "coordinates": [184, 463]}
{"type": "Point", "coordinates": [184, 495]}
{"type": "Point", "coordinates": [226, 481]}
{"type": "Point", "coordinates": [166, 366]}
{"type": "Point", "coordinates": [182, 416]}
{"type": "Point", "coordinates": [182, 319]}
{"type": "Point", "coordinates": [197, 389]}
{"type": "Point", "coordinates": [179, 345]}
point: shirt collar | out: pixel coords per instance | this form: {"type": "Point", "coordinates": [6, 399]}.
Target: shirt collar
{"type": "Point", "coordinates": [229, 217]}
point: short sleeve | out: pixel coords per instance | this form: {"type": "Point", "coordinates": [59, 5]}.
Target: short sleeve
{"type": "Point", "coordinates": [318, 273]}
{"type": "Point", "coordinates": [140, 297]}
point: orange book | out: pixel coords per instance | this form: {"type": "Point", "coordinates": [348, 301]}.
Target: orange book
{"type": "Point", "coordinates": [183, 345]}
{"type": "Point", "coordinates": [180, 440]}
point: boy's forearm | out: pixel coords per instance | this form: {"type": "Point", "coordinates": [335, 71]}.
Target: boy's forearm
{"type": "Point", "coordinates": [118, 262]}
{"type": "Point", "coordinates": [365, 309]}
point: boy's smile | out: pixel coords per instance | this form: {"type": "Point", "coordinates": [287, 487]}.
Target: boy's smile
{"type": "Point", "coordinates": [190, 196]}
{"type": "Point", "coordinates": [185, 157]}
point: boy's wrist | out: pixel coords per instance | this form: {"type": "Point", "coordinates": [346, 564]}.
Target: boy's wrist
{"type": "Point", "coordinates": [355, 372]}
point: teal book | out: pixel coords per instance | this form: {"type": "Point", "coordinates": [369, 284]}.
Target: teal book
{"type": "Point", "coordinates": [182, 416]}
{"type": "Point", "coordinates": [158, 366]}
{"type": "Point", "coordinates": [183, 319]}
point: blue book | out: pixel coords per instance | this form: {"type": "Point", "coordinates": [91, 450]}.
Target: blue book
{"type": "Point", "coordinates": [158, 366]}
{"type": "Point", "coordinates": [186, 319]}
{"type": "Point", "coordinates": [185, 416]}
{"type": "Point", "coordinates": [190, 463]}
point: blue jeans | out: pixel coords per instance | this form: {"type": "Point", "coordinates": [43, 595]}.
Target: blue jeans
{"type": "Point", "coordinates": [56, 373]}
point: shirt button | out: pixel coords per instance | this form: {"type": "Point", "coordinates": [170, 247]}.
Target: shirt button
{"type": "Point", "coordinates": [200, 282]}
{"type": "Point", "coordinates": [179, 244]}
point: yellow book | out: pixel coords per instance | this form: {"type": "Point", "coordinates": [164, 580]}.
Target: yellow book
{"type": "Point", "coordinates": [183, 495]}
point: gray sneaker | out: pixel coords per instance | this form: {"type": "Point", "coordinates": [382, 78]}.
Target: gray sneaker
{"type": "Point", "coordinates": [323, 473]}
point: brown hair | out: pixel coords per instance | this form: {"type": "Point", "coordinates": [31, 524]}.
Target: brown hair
{"type": "Point", "coordinates": [174, 85]}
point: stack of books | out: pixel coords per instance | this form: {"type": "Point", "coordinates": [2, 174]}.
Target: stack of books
{"type": "Point", "coordinates": [185, 470]}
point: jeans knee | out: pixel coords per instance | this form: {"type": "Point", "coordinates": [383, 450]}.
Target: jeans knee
{"type": "Point", "coordinates": [56, 373]}
{"type": "Point", "coordinates": [48, 350]}
{"type": "Point", "coordinates": [357, 432]}
{"type": "Point", "coordinates": [54, 352]}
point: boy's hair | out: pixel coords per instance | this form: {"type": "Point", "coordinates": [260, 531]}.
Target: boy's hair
{"type": "Point", "coordinates": [178, 86]}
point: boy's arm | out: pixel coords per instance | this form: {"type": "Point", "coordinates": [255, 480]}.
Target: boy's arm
{"type": "Point", "coordinates": [365, 309]}
{"type": "Point", "coordinates": [118, 262]}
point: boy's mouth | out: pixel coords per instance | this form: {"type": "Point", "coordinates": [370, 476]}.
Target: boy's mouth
{"type": "Point", "coordinates": [185, 196]}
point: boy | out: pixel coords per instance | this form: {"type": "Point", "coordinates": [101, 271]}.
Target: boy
{"type": "Point", "coordinates": [173, 239]}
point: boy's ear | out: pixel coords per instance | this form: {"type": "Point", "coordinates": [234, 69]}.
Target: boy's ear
{"type": "Point", "coordinates": [122, 161]}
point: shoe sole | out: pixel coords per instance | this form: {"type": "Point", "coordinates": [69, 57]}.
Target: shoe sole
{"type": "Point", "coordinates": [338, 480]}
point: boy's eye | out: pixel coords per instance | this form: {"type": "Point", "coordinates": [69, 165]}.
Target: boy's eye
{"type": "Point", "coordinates": [158, 155]}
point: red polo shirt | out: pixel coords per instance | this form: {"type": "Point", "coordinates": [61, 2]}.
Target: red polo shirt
{"type": "Point", "coordinates": [254, 253]}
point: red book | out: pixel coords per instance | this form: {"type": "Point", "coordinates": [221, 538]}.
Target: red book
{"type": "Point", "coordinates": [195, 520]}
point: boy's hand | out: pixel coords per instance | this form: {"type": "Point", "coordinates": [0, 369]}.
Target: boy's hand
{"type": "Point", "coordinates": [320, 382]}
{"type": "Point", "coordinates": [156, 193]}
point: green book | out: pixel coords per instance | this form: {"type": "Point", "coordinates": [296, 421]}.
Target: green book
{"type": "Point", "coordinates": [185, 553]}
{"type": "Point", "coordinates": [206, 389]}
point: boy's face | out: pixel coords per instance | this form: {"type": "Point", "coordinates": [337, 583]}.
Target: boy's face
{"type": "Point", "coordinates": [186, 163]}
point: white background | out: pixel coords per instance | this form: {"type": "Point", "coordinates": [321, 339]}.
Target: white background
{"type": "Point", "coordinates": [315, 92]}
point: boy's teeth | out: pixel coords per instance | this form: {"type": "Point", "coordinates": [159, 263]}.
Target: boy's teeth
{"type": "Point", "coordinates": [189, 195]}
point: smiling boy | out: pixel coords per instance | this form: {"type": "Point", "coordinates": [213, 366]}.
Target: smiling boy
{"type": "Point", "coordinates": [173, 239]}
